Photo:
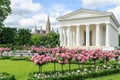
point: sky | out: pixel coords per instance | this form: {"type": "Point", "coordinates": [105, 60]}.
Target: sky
{"type": "Point", "coordinates": [28, 13]}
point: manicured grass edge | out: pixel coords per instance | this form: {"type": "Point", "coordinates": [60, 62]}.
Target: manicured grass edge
{"type": "Point", "coordinates": [79, 76]}
{"type": "Point", "coordinates": [7, 76]}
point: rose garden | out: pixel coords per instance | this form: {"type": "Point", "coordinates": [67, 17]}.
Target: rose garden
{"type": "Point", "coordinates": [64, 63]}
{"type": "Point", "coordinates": [27, 54]}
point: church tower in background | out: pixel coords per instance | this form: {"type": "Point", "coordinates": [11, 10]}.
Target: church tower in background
{"type": "Point", "coordinates": [48, 25]}
{"type": "Point", "coordinates": [41, 31]}
{"type": "Point", "coordinates": [35, 30]}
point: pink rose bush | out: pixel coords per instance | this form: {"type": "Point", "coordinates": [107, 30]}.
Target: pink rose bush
{"type": "Point", "coordinates": [4, 49]}
{"type": "Point", "coordinates": [81, 56]}
{"type": "Point", "coordinates": [40, 60]}
{"type": "Point", "coordinates": [65, 56]}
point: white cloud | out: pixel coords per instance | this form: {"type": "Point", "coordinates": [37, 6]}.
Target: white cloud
{"type": "Point", "coordinates": [37, 20]}
{"type": "Point", "coordinates": [99, 3]}
{"type": "Point", "coordinates": [22, 9]}
{"type": "Point", "coordinates": [27, 14]}
{"type": "Point", "coordinates": [24, 6]}
{"type": "Point", "coordinates": [27, 22]}
{"type": "Point", "coordinates": [12, 20]}
{"type": "Point", "coordinates": [116, 12]}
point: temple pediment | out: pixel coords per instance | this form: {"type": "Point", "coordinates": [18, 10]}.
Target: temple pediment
{"type": "Point", "coordinates": [83, 13]}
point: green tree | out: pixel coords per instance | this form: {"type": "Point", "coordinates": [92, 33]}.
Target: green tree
{"type": "Point", "coordinates": [49, 40]}
{"type": "Point", "coordinates": [5, 10]}
{"type": "Point", "coordinates": [36, 39]}
{"type": "Point", "coordinates": [7, 35]}
{"type": "Point", "coordinates": [44, 40]}
{"type": "Point", "coordinates": [53, 39]}
{"type": "Point", "coordinates": [23, 36]}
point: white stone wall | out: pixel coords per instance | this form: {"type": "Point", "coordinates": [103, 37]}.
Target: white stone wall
{"type": "Point", "coordinates": [113, 36]}
{"type": "Point", "coordinates": [84, 21]}
{"type": "Point", "coordinates": [114, 33]}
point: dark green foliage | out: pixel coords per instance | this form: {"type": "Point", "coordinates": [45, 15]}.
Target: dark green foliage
{"type": "Point", "coordinates": [4, 10]}
{"type": "Point", "coordinates": [7, 35]}
{"type": "Point", "coordinates": [5, 57]}
{"type": "Point", "coordinates": [49, 40]}
{"type": "Point", "coordinates": [36, 39]}
{"type": "Point", "coordinates": [23, 36]}
{"type": "Point", "coordinates": [13, 38]}
{"type": "Point", "coordinates": [3, 45]}
{"type": "Point", "coordinates": [7, 76]}
{"type": "Point", "coordinates": [53, 39]}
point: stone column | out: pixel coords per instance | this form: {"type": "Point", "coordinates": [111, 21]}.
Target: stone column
{"type": "Point", "coordinates": [71, 37]}
{"type": "Point", "coordinates": [77, 36]}
{"type": "Point", "coordinates": [61, 37]}
{"type": "Point", "coordinates": [97, 34]}
{"type": "Point", "coordinates": [107, 43]}
{"type": "Point", "coordinates": [74, 39]}
{"type": "Point", "coordinates": [68, 36]}
{"type": "Point", "coordinates": [64, 32]}
{"type": "Point", "coordinates": [87, 36]}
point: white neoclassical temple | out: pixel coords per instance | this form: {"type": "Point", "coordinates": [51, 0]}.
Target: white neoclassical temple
{"type": "Point", "coordinates": [88, 29]}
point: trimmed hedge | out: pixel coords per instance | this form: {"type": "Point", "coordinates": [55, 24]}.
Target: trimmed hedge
{"type": "Point", "coordinates": [20, 58]}
{"type": "Point", "coordinates": [5, 57]}
{"type": "Point", "coordinates": [79, 76]}
{"type": "Point", "coordinates": [15, 58]}
{"type": "Point", "coordinates": [6, 76]}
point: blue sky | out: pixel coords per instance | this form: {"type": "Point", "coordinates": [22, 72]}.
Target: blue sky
{"type": "Point", "coordinates": [70, 4]}
{"type": "Point", "coordinates": [28, 13]}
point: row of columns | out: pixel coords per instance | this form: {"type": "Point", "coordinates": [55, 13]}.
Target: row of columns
{"type": "Point", "coordinates": [67, 40]}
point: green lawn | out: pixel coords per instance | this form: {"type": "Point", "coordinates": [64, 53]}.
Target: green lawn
{"type": "Point", "coordinates": [21, 69]}
{"type": "Point", "coordinates": [110, 77]}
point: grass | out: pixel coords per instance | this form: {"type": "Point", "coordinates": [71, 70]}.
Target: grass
{"type": "Point", "coordinates": [110, 77]}
{"type": "Point", "coordinates": [21, 69]}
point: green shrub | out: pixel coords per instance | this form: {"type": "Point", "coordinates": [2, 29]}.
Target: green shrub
{"type": "Point", "coordinates": [20, 58]}
{"type": "Point", "coordinates": [3, 45]}
{"type": "Point", "coordinates": [6, 76]}
{"type": "Point", "coordinates": [5, 57]}
{"type": "Point", "coordinates": [17, 58]}
{"type": "Point", "coordinates": [77, 76]}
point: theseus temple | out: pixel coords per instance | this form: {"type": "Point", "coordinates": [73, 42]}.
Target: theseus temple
{"type": "Point", "coordinates": [88, 29]}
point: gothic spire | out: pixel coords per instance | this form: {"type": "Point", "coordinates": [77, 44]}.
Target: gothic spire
{"type": "Point", "coordinates": [35, 29]}
{"type": "Point", "coordinates": [41, 28]}
{"type": "Point", "coordinates": [48, 25]}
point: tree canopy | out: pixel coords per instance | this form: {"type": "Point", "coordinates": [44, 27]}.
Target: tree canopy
{"type": "Point", "coordinates": [13, 36]}
{"type": "Point", "coordinates": [5, 10]}
{"type": "Point", "coordinates": [49, 40]}
{"type": "Point", "coordinates": [7, 35]}
{"type": "Point", "coordinates": [23, 36]}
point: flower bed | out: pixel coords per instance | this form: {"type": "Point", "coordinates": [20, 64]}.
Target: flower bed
{"type": "Point", "coordinates": [80, 56]}
{"type": "Point", "coordinates": [73, 75]}
{"type": "Point", "coordinates": [6, 76]}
